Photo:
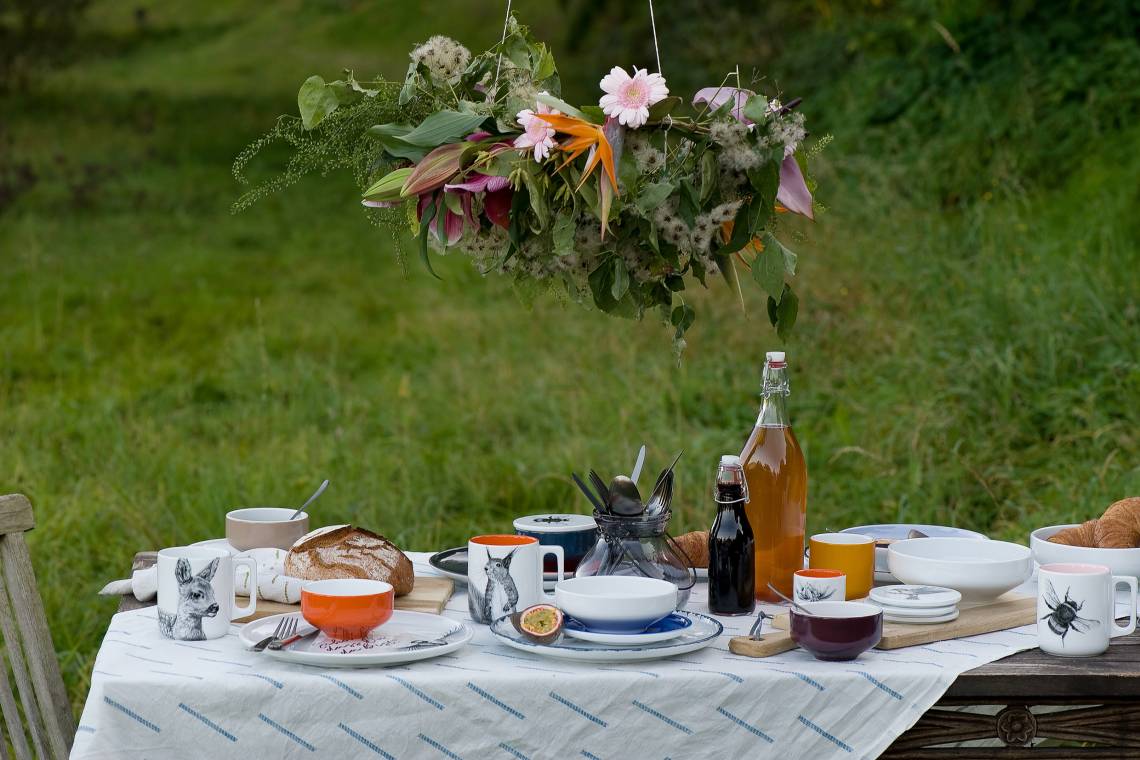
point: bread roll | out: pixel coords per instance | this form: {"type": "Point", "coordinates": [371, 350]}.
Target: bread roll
{"type": "Point", "coordinates": [342, 551]}
{"type": "Point", "coordinates": [695, 546]}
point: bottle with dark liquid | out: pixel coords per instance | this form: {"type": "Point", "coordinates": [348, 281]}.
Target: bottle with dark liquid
{"type": "Point", "coordinates": [732, 548]}
{"type": "Point", "coordinates": [776, 472]}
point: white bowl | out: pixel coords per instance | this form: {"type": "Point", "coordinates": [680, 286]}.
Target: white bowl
{"type": "Point", "coordinates": [899, 531]}
{"type": "Point", "coordinates": [616, 603]}
{"type": "Point", "coordinates": [1118, 561]}
{"type": "Point", "coordinates": [980, 570]}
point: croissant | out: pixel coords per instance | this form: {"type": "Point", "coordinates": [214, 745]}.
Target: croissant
{"type": "Point", "coordinates": [1119, 526]}
{"type": "Point", "coordinates": [1078, 535]}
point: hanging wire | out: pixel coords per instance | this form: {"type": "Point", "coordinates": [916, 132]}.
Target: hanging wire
{"type": "Point", "coordinates": [657, 52]}
{"type": "Point", "coordinates": [653, 26]}
{"type": "Point", "coordinates": [499, 62]}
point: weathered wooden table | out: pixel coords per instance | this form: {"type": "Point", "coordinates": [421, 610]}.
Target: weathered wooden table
{"type": "Point", "coordinates": [1091, 700]}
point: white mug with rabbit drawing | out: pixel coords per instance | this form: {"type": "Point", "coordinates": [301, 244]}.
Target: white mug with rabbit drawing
{"type": "Point", "coordinates": [504, 575]}
{"type": "Point", "coordinates": [1076, 608]}
{"type": "Point", "coordinates": [196, 592]}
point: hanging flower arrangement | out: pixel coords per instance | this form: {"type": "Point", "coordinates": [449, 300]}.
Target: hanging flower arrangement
{"type": "Point", "coordinates": [621, 205]}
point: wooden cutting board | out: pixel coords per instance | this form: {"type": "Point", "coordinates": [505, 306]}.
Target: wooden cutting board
{"type": "Point", "coordinates": [429, 594]}
{"type": "Point", "coordinates": [1008, 611]}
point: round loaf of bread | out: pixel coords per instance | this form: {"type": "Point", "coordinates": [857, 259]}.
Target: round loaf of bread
{"type": "Point", "coordinates": [343, 551]}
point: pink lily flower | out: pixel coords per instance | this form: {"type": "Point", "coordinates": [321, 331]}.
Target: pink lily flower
{"type": "Point", "coordinates": [793, 193]}
{"type": "Point", "coordinates": [450, 230]}
{"type": "Point", "coordinates": [718, 96]}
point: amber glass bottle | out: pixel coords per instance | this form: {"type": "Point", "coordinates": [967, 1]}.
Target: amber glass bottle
{"type": "Point", "coordinates": [776, 473]}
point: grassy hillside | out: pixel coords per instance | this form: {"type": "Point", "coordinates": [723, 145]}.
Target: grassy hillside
{"type": "Point", "coordinates": [965, 352]}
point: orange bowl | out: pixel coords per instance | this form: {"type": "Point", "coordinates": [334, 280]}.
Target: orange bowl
{"type": "Point", "coordinates": [347, 608]}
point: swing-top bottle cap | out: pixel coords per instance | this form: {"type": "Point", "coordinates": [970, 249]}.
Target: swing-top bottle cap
{"type": "Point", "coordinates": [776, 359]}
{"type": "Point", "coordinates": [729, 460]}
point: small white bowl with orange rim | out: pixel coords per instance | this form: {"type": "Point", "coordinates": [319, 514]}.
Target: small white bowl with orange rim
{"type": "Point", "coordinates": [819, 585]}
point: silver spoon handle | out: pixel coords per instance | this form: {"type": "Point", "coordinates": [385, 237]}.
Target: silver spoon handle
{"type": "Point", "coordinates": [320, 490]}
{"type": "Point", "coordinates": [638, 465]}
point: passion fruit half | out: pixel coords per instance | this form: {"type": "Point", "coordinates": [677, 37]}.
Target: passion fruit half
{"type": "Point", "coordinates": [541, 623]}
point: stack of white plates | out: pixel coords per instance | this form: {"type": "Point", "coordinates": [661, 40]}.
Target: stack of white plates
{"type": "Point", "coordinates": [917, 604]}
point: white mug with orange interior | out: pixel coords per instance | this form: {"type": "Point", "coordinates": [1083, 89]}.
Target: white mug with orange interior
{"type": "Point", "coordinates": [504, 575]}
{"type": "Point", "coordinates": [819, 585]}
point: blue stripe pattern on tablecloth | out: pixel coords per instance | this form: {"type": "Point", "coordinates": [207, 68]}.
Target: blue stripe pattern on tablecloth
{"type": "Point", "coordinates": [587, 715]}
{"type": "Point", "coordinates": [187, 708]}
{"type": "Point", "coordinates": [272, 681]}
{"type": "Point", "coordinates": [417, 692]}
{"type": "Point", "coordinates": [744, 724]}
{"type": "Point", "coordinates": [366, 742]}
{"type": "Point", "coordinates": [132, 714]}
{"type": "Point", "coordinates": [878, 683]}
{"type": "Point", "coordinates": [826, 735]}
{"type": "Point", "coordinates": [342, 685]}
{"type": "Point", "coordinates": [495, 701]}
{"type": "Point", "coordinates": [663, 718]}
{"type": "Point", "coordinates": [436, 745]}
{"type": "Point", "coordinates": [512, 751]}
{"type": "Point", "coordinates": [286, 732]}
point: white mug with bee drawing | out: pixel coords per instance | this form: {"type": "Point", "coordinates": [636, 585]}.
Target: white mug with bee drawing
{"type": "Point", "coordinates": [196, 592]}
{"type": "Point", "coordinates": [1076, 608]}
{"type": "Point", "coordinates": [504, 575]}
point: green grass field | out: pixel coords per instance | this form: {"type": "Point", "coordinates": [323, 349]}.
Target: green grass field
{"type": "Point", "coordinates": [162, 361]}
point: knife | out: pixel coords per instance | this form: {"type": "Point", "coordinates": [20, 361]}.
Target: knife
{"type": "Point", "coordinates": [282, 643]}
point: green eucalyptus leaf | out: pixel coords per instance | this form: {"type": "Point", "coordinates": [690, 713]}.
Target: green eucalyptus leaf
{"type": "Point", "coordinates": [652, 196]}
{"type": "Point", "coordinates": [663, 108]}
{"type": "Point", "coordinates": [768, 271]}
{"type": "Point", "coordinates": [708, 175]}
{"type": "Point", "coordinates": [543, 64]}
{"type": "Point", "coordinates": [786, 313]}
{"type": "Point", "coordinates": [789, 258]}
{"type": "Point", "coordinates": [756, 108]}
{"type": "Point", "coordinates": [408, 91]}
{"type": "Point", "coordinates": [537, 197]}
{"type": "Point", "coordinates": [425, 230]}
{"type": "Point", "coordinates": [682, 318]}
{"type": "Point", "coordinates": [454, 203]}
{"type": "Point", "coordinates": [443, 127]}
{"type": "Point", "coordinates": [596, 115]}
{"type": "Point", "coordinates": [563, 235]}
{"type": "Point", "coordinates": [559, 104]}
{"type": "Point", "coordinates": [621, 280]}
{"type": "Point", "coordinates": [316, 100]}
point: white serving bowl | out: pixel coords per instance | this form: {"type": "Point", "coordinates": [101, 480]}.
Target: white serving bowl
{"type": "Point", "coordinates": [898, 532]}
{"type": "Point", "coordinates": [980, 570]}
{"type": "Point", "coordinates": [1118, 561]}
{"type": "Point", "coordinates": [616, 603]}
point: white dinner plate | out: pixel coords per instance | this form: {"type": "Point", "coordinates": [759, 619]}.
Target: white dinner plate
{"type": "Point", "coordinates": [922, 621]}
{"type": "Point", "coordinates": [663, 630]}
{"type": "Point", "coordinates": [401, 629]}
{"type": "Point", "coordinates": [217, 543]}
{"type": "Point", "coordinates": [699, 635]}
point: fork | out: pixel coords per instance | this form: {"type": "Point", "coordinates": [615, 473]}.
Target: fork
{"type": "Point", "coordinates": [278, 633]}
{"type": "Point", "coordinates": [288, 633]}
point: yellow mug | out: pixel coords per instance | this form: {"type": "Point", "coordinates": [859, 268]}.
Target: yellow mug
{"type": "Point", "coordinates": [849, 553]}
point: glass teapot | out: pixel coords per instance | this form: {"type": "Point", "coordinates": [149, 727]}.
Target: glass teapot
{"type": "Point", "coordinates": [638, 545]}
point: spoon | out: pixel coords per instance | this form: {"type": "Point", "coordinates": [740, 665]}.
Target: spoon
{"type": "Point", "coordinates": [799, 607]}
{"type": "Point", "coordinates": [625, 498]}
{"type": "Point", "coordinates": [637, 465]}
{"type": "Point", "coordinates": [320, 490]}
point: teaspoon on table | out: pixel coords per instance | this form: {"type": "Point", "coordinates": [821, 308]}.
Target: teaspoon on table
{"type": "Point", "coordinates": [320, 490]}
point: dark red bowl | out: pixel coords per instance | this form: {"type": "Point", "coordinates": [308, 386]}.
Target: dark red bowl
{"type": "Point", "coordinates": [842, 630]}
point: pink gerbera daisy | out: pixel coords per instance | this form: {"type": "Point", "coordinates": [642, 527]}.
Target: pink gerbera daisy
{"type": "Point", "coordinates": [537, 133]}
{"type": "Point", "coordinates": [628, 98]}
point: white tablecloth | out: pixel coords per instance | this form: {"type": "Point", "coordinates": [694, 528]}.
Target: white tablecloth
{"type": "Point", "coordinates": [151, 697]}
